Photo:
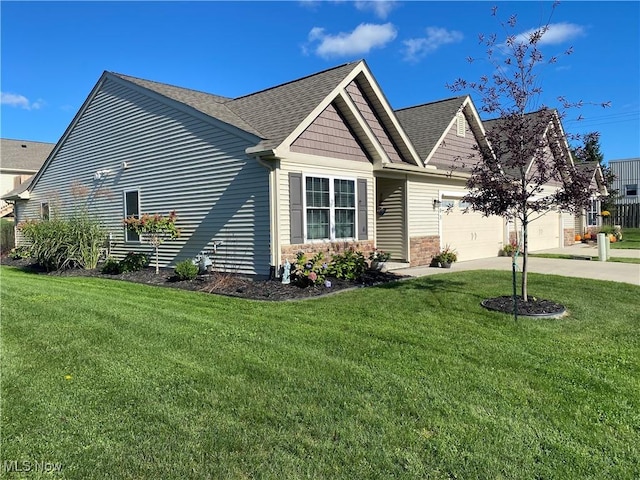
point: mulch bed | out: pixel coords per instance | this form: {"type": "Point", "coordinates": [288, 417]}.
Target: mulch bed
{"type": "Point", "coordinates": [534, 307]}
{"type": "Point", "coordinates": [221, 283]}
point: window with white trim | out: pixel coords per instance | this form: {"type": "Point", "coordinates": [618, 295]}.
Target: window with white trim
{"type": "Point", "coordinates": [594, 211]}
{"type": "Point", "coordinates": [44, 211]}
{"type": "Point", "coordinates": [330, 208]}
{"type": "Point", "coordinates": [631, 190]}
{"type": "Point", "coordinates": [131, 209]}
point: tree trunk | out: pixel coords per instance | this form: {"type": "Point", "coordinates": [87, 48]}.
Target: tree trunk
{"type": "Point", "coordinates": [525, 255]}
{"type": "Point", "coordinates": [157, 261]}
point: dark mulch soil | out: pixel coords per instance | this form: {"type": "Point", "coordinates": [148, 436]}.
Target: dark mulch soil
{"type": "Point", "coordinates": [535, 307]}
{"type": "Point", "coordinates": [221, 283]}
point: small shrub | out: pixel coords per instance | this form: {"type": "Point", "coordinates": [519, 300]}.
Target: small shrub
{"type": "Point", "coordinates": [379, 256]}
{"type": "Point", "coordinates": [447, 255]}
{"type": "Point", "coordinates": [348, 265]}
{"type": "Point", "coordinates": [186, 270]}
{"type": "Point", "coordinates": [111, 266]}
{"type": "Point", "coordinates": [21, 252]}
{"type": "Point", "coordinates": [134, 262]}
{"type": "Point", "coordinates": [7, 235]}
{"type": "Point", "coordinates": [309, 272]}
{"type": "Point", "coordinates": [509, 250]}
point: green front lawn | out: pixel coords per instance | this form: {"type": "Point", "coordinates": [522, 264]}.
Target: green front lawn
{"type": "Point", "coordinates": [630, 239]}
{"type": "Point", "coordinates": [410, 380]}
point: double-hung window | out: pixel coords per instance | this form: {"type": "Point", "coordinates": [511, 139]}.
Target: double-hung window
{"type": "Point", "coordinates": [131, 209]}
{"type": "Point", "coordinates": [330, 208]}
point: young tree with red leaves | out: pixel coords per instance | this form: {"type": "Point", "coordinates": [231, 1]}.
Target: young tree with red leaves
{"type": "Point", "coordinates": [156, 228]}
{"type": "Point", "coordinates": [525, 169]}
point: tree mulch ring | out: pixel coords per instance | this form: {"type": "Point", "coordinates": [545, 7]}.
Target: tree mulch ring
{"type": "Point", "coordinates": [228, 284]}
{"type": "Point", "coordinates": [534, 307]}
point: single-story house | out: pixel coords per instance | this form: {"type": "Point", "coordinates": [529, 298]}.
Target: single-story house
{"type": "Point", "coordinates": [590, 219]}
{"type": "Point", "coordinates": [19, 161]}
{"type": "Point", "coordinates": [314, 165]}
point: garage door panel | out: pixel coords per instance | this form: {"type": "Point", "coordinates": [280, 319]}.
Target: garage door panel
{"type": "Point", "coordinates": [544, 232]}
{"type": "Point", "coordinates": [471, 234]}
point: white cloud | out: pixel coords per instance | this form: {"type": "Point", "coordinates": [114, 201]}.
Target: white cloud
{"type": "Point", "coordinates": [417, 48]}
{"type": "Point", "coordinates": [365, 37]}
{"type": "Point", "coordinates": [557, 33]}
{"type": "Point", "coordinates": [380, 7]}
{"type": "Point", "coordinates": [19, 101]}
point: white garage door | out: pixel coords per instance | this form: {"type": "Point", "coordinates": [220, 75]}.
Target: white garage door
{"type": "Point", "coordinates": [471, 234]}
{"type": "Point", "coordinates": [544, 232]}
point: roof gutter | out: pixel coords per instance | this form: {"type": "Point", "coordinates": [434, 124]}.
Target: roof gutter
{"type": "Point", "coordinates": [428, 171]}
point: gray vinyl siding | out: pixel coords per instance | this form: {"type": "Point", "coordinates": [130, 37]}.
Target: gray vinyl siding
{"type": "Point", "coordinates": [178, 162]}
{"type": "Point", "coordinates": [627, 172]}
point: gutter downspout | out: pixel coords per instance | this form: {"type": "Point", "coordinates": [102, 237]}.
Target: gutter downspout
{"type": "Point", "coordinates": [274, 214]}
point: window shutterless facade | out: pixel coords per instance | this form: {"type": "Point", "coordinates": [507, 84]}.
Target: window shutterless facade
{"type": "Point", "coordinates": [330, 206]}
{"type": "Point", "coordinates": [631, 190]}
{"type": "Point", "coordinates": [131, 209]}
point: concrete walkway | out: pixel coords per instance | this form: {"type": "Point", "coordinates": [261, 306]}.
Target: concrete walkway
{"type": "Point", "coordinates": [613, 271]}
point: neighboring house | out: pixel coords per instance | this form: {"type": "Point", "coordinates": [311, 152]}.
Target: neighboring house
{"type": "Point", "coordinates": [553, 228]}
{"type": "Point", "coordinates": [627, 180]}
{"type": "Point", "coordinates": [315, 165]}
{"type": "Point", "coordinates": [19, 160]}
{"type": "Point", "coordinates": [444, 134]}
{"type": "Point", "coordinates": [627, 183]}
{"type": "Point", "coordinates": [590, 219]}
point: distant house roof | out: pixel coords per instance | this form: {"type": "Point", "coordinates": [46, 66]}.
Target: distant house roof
{"type": "Point", "coordinates": [593, 170]}
{"type": "Point", "coordinates": [426, 123]}
{"type": "Point", "coordinates": [537, 125]}
{"type": "Point", "coordinates": [23, 155]}
{"type": "Point", "coordinates": [270, 114]}
{"type": "Point", "coordinates": [621, 160]}
{"type": "Point", "coordinates": [19, 193]}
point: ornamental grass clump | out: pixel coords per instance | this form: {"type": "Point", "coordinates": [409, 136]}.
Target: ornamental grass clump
{"type": "Point", "coordinates": [59, 243]}
{"type": "Point", "coordinates": [154, 229]}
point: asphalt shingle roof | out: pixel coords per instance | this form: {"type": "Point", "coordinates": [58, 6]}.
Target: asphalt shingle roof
{"type": "Point", "coordinates": [277, 111]}
{"type": "Point", "coordinates": [213, 105]}
{"type": "Point", "coordinates": [425, 124]}
{"type": "Point", "coordinates": [270, 114]}
{"type": "Point", "coordinates": [23, 154]}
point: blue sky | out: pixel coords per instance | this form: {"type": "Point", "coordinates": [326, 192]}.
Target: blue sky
{"type": "Point", "coordinates": [53, 53]}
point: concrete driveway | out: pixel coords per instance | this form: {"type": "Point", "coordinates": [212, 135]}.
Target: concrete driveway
{"type": "Point", "coordinates": [613, 271]}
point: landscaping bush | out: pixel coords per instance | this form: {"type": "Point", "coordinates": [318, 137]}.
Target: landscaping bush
{"type": "Point", "coordinates": [111, 266]}
{"type": "Point", "coordinates": [59, 244]}
{"type": "Point", "coordinates": [309, 272]}
{"type": "Point", "coordinates": [18, 253]}
{"type": "Point", "coordinates": [133, 262]}
{"type": "Point", "coordinates": [186, 270]}
{"type": "Point", "coordinates": [349, 265]}
{"type": "Point", "coordinates": [7, 236]}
